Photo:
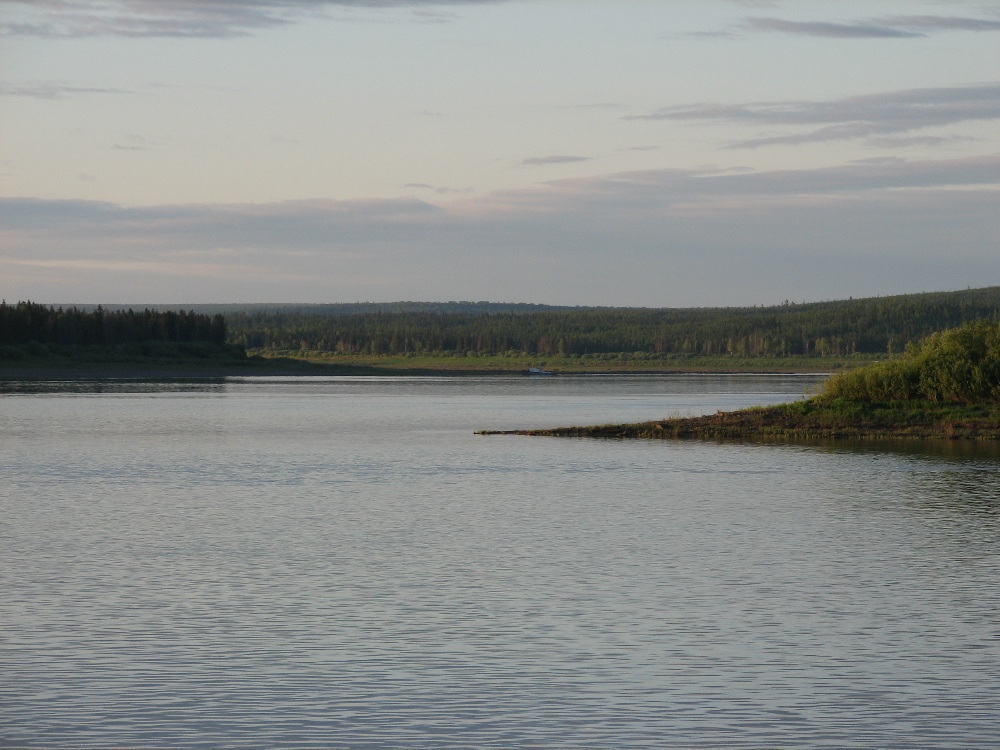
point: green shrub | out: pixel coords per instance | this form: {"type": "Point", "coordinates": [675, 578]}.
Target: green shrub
{"type": "Point", "coordinates": [961, 365]}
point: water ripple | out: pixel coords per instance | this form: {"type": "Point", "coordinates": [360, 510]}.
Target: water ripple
{"type": "Point", "coordinates": [316, 567]}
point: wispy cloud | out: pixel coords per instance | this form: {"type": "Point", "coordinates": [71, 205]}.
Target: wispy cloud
{"type": "Point", "coordinates": [51, 90]}
{"type": "Point", "coordinates": [594, 105]}
{"type": "Point", "coordinates": [432, 15]}
{"type": "Point", "coordinates": [944, 23]}
{"type": "Point", "coordinates": [907, 141]}
{"type": "Point", "coordinates": [185, 18]}
{"type": "Point", "coordinates": [827, 29]}
{"type": "Point", "coordinates": [888, 27]}
{"type": "Point", "coordinates": [869, 116]}
{"type": "Point", "coordinates": [292, 223]}
{"type": "Point", "coordinates": [661, 188]}
{"type": "Point", "coordinates": [440, 190]}
{"type": "Point", "coordinates": [139, 18]}
{"type": "Point", "coordinates": [542, 161]}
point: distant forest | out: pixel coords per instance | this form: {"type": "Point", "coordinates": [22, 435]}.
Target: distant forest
{"type": "Point", "coordinates": [881, 325]}
{"type": "Point", "coordinates": [28, 322]}
{"type": "Point", "coordinates": [872, 326]}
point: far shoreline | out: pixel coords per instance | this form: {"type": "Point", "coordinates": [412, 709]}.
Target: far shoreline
{"type": "Point", "coordinates": [291, 367]}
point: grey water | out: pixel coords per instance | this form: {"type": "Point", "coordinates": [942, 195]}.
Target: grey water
{"type": "Point", "coordinates": [342, 563]}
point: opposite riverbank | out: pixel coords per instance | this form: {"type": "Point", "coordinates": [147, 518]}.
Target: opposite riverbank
{"type": "Point", "coordinates": [179, 370]}
{"type": "Point", "coordinates": [34, 362]}
{"type": "Point", "coordinates": [620, 363]}
{"type": "Point", "coordinates": [177, 361]}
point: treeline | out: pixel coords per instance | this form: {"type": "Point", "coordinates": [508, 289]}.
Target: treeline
{"type": "Point", "coordinates": [961, 365]}
{"type": "Point", "coordinates": [28, 322]}
{"type": "Point", "coordinates": [827, 329]}
{"type": "Point", "coordinates": [346, 308]}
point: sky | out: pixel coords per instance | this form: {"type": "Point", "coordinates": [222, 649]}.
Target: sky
{"type": "Point", "coordinates": [656, 153]}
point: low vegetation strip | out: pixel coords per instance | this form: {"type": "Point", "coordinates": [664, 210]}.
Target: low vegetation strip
{"type": "Point", "coordinates": [641, 363]}
{"type": "Point", "coordinates": [944, 387]}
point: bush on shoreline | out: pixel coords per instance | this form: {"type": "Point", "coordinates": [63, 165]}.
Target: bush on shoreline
{"type": "Point", "coordinates": [961, 365]}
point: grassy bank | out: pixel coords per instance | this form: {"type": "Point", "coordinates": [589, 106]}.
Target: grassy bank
{"type": "Point", "coordinates": [172, 359]}
{"type": "Point", "coordinates": [626, 362]}
{"type": "Point", "coordinates": [153, 360]}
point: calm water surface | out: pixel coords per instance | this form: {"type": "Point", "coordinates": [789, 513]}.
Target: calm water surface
{"type": "Point", "coordinates": [342, 563]}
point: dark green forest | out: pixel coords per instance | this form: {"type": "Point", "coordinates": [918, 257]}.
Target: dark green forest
{"type": "Point", "coordinates": [881, 325]}
{"type": "Point", "coordinates": [29, 321]}
{"type": "Point", "coordinates": [867, 327]}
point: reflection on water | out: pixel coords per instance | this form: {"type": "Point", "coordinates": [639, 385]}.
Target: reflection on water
{"type": "Point", "coordinates": [110, 386]}
{"type": "Point", "coordinates": [342, 563]}
{"type": "Point", "coordinates": [959, 450]}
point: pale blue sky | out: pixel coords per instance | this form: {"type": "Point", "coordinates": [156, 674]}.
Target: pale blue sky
{"type": "Point", "coordinates": [626, 152]}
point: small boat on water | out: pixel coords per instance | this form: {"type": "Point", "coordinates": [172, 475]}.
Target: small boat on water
{"type": "Point", "coordinates": [538, 371]}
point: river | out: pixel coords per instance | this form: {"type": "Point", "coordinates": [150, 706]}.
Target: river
{"type": "Point", "coordinates": [342, 563]}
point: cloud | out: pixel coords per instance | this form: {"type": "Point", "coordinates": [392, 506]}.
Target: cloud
{"type": "Point", "coordinates": [430, 15]}
{"type": "Point", "coordinates": [868, 116]}
{"type": "Point", "coordinates": [50, 90]}
{"type": "Point", "coordinates": [717, 192]}
{"type": "Point", "coordinates": [890, 27]}
{"type": "Point", "coordinates": [826, 29]}
{"type": "Point", "coordinates": [324, 222]}
{"type": "Point", "coordinates": [928, 141]}
{"type": "Point", "coordinates": [595, 105]}
{"type": "Point", "coordinates": [442, 190]}
{"type": "Point", "coordinates": [139, 18]}
{"type": "Point", "coordinates": [541, 161]}
{"type": "Point", "coordinates": [654, 237]}
{"type": "Point", "coordinates": [944, 23]}
{"type": "Point", "coordinates": [275, 224]}
{"type": "Point", "coordinates": [183, 18]}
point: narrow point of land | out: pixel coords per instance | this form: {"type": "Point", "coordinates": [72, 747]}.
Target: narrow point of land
{"type": "Point", "coordinates": [814, 419]}
{"type": "Point", "coordinates": [946, 386]}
